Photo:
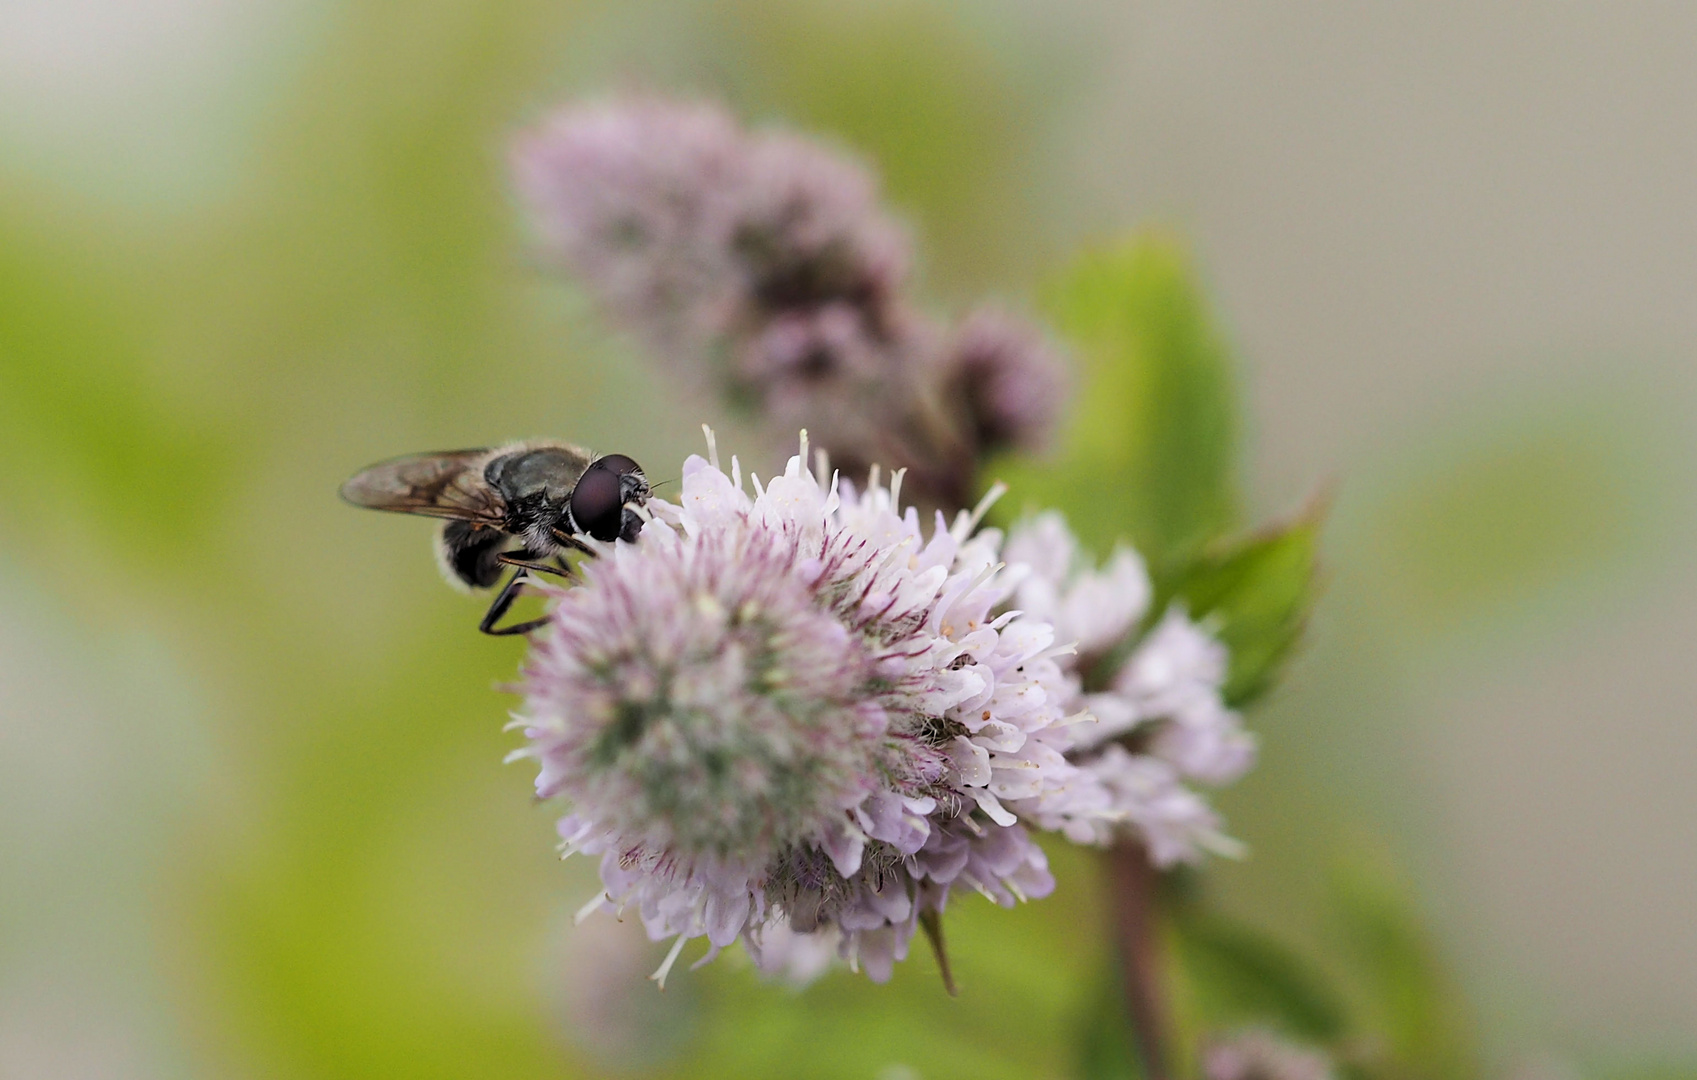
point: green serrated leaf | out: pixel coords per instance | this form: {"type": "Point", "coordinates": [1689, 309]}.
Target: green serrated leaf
{"type": "Point", "coordinates": [1241, 976]}
{"type": "Point", "coordinates": [1257, 592]}
{"type": "Point", "coordinates": [1151, 453]}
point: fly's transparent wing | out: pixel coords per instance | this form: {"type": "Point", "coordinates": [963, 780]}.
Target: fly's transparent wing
{"type": "Point", "coordinates": [442, 485]}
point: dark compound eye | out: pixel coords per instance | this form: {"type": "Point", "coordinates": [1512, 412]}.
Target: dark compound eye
{"type": "Point", "coordinates": [617, 463]}
{"type": "Point", "coordinates": [597, 508]}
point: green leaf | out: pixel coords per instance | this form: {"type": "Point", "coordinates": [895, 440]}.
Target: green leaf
{"type": "Point", "coordinates": [1419, 1009]}
{"type": "Point", "coordinates": [1257, 592]}
{"type": "Point", "coordinates": [1241, 976]}
{"type": "Point", "coordinates": [1520, 513]}
{"type": "Point", "coordinates": [1151, 453]}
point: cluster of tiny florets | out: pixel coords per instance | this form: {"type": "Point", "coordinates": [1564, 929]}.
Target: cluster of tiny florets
{"type": "Point", "coordinates": [796, 719]}
{"type": "Point", "coordinates": [1160, 725]}
{"type": "Point", "coordinates": [793, 714]}
{"type": "Point", "coordinates": [760, 266]}
{"type": "Point", "coordinates": [714, 708]}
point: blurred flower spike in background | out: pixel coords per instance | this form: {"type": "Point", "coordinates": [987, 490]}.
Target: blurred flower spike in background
{"type": "Point", "coordinates": [760, 267]}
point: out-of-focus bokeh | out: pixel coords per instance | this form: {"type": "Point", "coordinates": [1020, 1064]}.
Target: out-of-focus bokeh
{"type": "Point", "coordinates": [253, 816]}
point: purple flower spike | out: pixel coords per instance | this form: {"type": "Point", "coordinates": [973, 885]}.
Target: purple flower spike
{"type": "Point", "coordinates": [697, 235]}
{"type": "Point", "coordinates": [1010, 381]}
{"type": "Point", "coordinates": [759, 266]}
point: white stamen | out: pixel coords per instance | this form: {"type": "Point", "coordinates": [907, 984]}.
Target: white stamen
{"type": "Point", "coordinates": [833, 500]}
{"type": "Point", "coordinates": [518, 755]}
{"type": "Point", "coordinates": [736, 473]}
{"type": "Point", "coordinates": [966, 523]}
{"type": "Point", "coordinates": [590, 908]}
{"type": "Point", "coordinates": [568, 846]}
{"type": "Point", "coordinates": [712, 446]}
{"type": "Point", "coordinates": [665, 967]}
{"type": "Point", "coordinates": [896, 489]}
{"type": "Point", "coordinates": [1011, 887]}
{"type": "Point", "coordinates": [804, 454]}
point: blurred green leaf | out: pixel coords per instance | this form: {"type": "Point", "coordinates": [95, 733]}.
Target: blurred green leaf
{"type": "Point", "coordinates": [1258, 591]}
{"type": "Point", "coordinates": [1151, 453]}
{"type": "Point", "coordinates": [1242, 976]}
{"type": "Point", "coordinates": [88, 428]}
{"type": "Point", "coordinates": [1419, 1011]}
{"type": "Point", "coordinates": [1518, 507]}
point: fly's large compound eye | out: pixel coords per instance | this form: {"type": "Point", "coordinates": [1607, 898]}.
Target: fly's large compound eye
{"type": "Point", "coordinates": [598, 501]}
{"type": "Point", "coordinates": [618, 463]}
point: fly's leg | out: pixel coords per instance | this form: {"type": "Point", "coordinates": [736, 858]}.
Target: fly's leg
{"type": "Point", "coordinates": [524, 563]}
{"type": "Point", "coordinates": [504, 600]}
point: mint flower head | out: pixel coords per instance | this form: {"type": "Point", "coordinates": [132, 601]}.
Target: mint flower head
{"type": "Point", "coordinates": [699, 235]}
{"type": "Point", "coordinates": [794, 713]}
{"type": "Point", "coordinates": [760, 267]}
{"type": "Point", "coordinates": [717, 710]}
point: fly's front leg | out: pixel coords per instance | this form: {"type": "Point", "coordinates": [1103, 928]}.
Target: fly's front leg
{"type": "Point", "coordinates": [504, 600]}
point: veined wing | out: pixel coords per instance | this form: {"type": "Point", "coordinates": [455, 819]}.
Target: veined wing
{"type": "Point", "coordinates": [443, 485]}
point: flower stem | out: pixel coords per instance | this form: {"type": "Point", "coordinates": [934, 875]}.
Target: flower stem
{"type": "Point", "coordinates": [1132, 882]}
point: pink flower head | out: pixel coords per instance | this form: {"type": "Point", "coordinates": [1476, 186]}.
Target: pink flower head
{"type": "Point", "coordinates": [794, 707]}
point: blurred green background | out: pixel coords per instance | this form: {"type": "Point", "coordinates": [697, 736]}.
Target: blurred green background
{"type": "Point", "coordinates": [253, 817]}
